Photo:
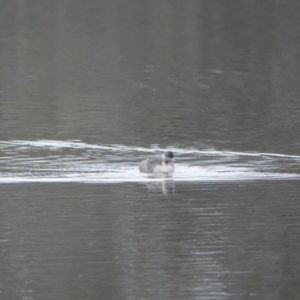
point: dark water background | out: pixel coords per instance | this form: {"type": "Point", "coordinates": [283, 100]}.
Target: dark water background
{"type": "Point", "coordinates": [88, 89]}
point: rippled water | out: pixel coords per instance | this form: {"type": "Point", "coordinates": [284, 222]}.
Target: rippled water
{"type": "Point", "coordinates": [76, 161]}
{"type": "Point", "coordinates": [90, 88]}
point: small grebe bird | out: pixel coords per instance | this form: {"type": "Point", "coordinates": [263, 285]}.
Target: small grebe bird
{"type": "Point", "coordinates": [158, 163]}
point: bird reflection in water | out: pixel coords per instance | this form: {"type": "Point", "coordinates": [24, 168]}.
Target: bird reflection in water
{"type": "Point", "coordinates": [167, 186]}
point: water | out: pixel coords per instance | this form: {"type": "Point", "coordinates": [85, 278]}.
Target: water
{"type": "Point", "coordinates": [89, 89]}
{"type": "Point", "coordinates": [76, 161]}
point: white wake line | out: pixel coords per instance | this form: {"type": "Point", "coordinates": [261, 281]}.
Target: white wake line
{"type": "Point", "coordinates": [203, 179]}
{"type": "Point", "coordinates": [81, 145]}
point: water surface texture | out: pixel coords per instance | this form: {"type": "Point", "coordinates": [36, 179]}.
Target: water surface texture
{"type": "Point", "coordinates": [90, 88]}
{"type": "Point", "coordinates": [68, 161]}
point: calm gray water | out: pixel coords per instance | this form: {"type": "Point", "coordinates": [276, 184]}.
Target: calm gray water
{"type": "Point", "coordinates": [90, 88]}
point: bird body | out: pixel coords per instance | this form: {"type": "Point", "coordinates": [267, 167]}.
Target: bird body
{"type": "Point", "coordinates": [158, 163]}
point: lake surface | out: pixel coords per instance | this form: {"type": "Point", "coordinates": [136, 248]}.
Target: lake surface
{"type": "Point", "coordinates": [90, 88]}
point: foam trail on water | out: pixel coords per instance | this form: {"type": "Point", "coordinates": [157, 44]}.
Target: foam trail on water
{"type": "Point", "coordinates": [77, 161]}
{"type": "Point", "coordinates": [53, 144]}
